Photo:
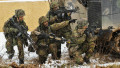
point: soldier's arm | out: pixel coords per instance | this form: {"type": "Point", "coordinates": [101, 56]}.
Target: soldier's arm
{"type": "Point", "coordinates": [57, 26]}
{"type": "Point", "coordinates": [52, 18]}
{"type": "Point", "coordinates": [34, 35]}
{"type": "Point", "coordinates": [36, 31]}
{"type": "Point", "coordinates": [8, 28]}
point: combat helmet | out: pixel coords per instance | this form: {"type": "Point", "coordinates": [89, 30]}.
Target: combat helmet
{"type": "Point", "coordinates": [19, 12]}
{"type": "Point", "coordinates": [42, 19]}
{"type": "Point", "coordinates": [81, 24]}
{"type": "Point", "coordinates": [54, 4]}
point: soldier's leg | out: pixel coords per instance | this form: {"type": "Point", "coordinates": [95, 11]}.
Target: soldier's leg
{"type": "Point", "coordinates": [53, 50]}
{"type": "Point", "coordinates": [89, 52]}
{"type": "Point", "coordinates": [75, 54]}
{"type": "Point", "coordinates": [9, 47]}
{"type": "Point", "coordinates": [43, 53]}
{"type": "Point", "coordinates": [70, 52]}
{"type": "Point", "coordinates": [25, 42]}
{"type": "Point", "coordinates": [58, 50]}
{"type": "Point", "coordinates": [78, 57]}
{"type": "Point", "coordinates": [21, 51]}
{"type": "Point", "coordinates": [72, 48]}
{"type": "Point", "coordinates": [42, 59]}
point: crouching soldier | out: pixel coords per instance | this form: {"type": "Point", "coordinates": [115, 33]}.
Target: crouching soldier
{"type": "Point", "coordinates": [13, 36]}
{"type": "Point", "coordinates": [45, 41]}
{"type": "Point", "coordinates": [80, 43]}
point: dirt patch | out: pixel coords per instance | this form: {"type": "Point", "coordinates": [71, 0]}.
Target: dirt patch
{"type": "Point", "coordinates": [14, 65]}
{"type": "Point", "coordinates": [112, 66]}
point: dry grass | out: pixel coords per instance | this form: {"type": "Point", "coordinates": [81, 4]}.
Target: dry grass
{"type": "Point", "coordinates": [112, 66]}
{"type": "Point", "coordinates": [14, 65]}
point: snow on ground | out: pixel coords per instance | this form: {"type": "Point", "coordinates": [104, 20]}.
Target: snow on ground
{"type": "Point", "coordinates": [4, 55]}
{"type": "Point", "coordinates": [54, 63]}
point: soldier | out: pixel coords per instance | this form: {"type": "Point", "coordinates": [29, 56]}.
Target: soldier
{"type": "Point", "coordinates": [11, 35]}
{"type": "Point", "coordinates": [80, 43]}
{"type": "Point", "coordinates": [54, 18]}
{"type": "Point", "coordinates": [61, 3]}
{"type": "Point", "coordinates": [46, 45]}
{"type": "Point", "coordinates": [50, 15]}
{"type": "Point", "coordinates": [55, 15]}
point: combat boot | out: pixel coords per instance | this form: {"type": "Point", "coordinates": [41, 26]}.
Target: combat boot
{"type": "Point", "coordinates": [31, 49]}
{"type": "Point", "coordinates": [87, 60]}
{"type": "Point", "coordinates": [21, 61]}
{"type": "Point", "coordinates": [79, 60]}
{"type": "Point", "coordinates": [10, 56]}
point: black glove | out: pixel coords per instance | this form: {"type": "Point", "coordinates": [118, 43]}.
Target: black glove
{"type": "Point", "coordinates": [30, 48]}
{"type": "Point", "coordinates": [51, 34]}
{"type": "Point", "coordinates": [72, 21]}
{"type": "Point", "coordinates": [44, 35]}
{"type": "Point", "coordinates": [63, 40]}
{"type": "Point", "coordinates": [59, 16]}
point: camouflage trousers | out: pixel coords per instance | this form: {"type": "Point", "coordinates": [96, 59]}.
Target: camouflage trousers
{"type": "Point", "coordinates": [76, 51]}
{"type": "Point", "coordinates": [42, 52]}
{"type": "Point", "coordinates": [10, 44]}
{"type": "Point", "coordinates": [55, 49]}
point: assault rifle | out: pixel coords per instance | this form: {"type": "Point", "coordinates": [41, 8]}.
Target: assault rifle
{"type": "Point", "coordinates": [51, 37]}
{"type": "Point", "coordinates": [63, 14]}
{"type": "Point", "coordinates": [22, 30]}
{"type": "Point", "coordinates": [90, 30]}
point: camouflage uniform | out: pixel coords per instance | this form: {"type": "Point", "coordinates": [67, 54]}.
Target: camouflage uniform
{"type": "Point", "coordinates": [50, 15]}
{"type": "Point", "coordinates": [46, 46]}
{"type": "Point", "coordinates": [80, 43]}
{"type": "Point", "coordinates": [61, 3]}
{"type": "Point", "coordinates": [11, 33]}
{"type": "Point", "coordinates": [63, 32]}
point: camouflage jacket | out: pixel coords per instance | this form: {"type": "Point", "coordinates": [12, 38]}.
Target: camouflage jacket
{"type": "Point", "coordinates": [78, 36]}
{"type": "Point", "coordinates": [9, 29]}
{"type": "Point", "coordinates": [65, 32]}
{"type": "Point", "coordinates": [52, 17]}
{"type": "Point", "coordinates": [47, 30]}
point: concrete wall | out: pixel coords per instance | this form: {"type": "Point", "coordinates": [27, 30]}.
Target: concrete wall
{"type": "Point", "coordinates": [33, 11]}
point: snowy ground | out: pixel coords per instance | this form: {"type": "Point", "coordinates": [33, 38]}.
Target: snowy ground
{"type": "Point", "coordinates": [54, 63]}
{"type": "Point", "coordinates": [4, 55]}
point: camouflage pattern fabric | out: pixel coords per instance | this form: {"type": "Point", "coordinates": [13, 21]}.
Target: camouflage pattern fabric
{"type": "Point", "coordinates": [50, 15]}
{"type": "Point", "coordinates": [53, 47]}
{"type": "Point", "coordinates": [62, 32]}
{"type": "Point", "coordinates": [54, 4]}
{"type": "Point", "coordinates": [74, 46]}
{"type": "Point", "coordinates": [61, 3]}
{"type": "Point", "coordinates": [80, 44]}
{"type": "Point", "coordinates": [19, 12]}
{"type": "Point", "coordinates": [10, 33]}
